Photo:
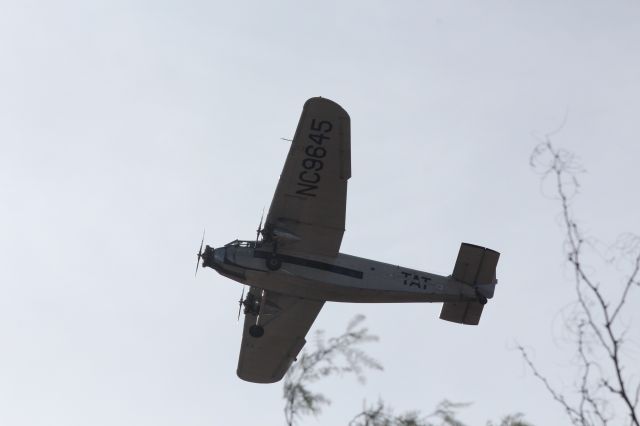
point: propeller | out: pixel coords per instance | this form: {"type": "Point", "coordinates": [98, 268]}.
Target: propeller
{"type": "Point", "coordinates": [200, 252]}
{"type": "Point", "coordinates": [259, 230]}
{"type": "Point", "coordinates": [240, 303]}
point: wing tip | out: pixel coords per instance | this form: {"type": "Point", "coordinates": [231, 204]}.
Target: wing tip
{"type": "Point", "coordinates": [327, 101]}
{"type": "Point", "coordinates": [254, 378]}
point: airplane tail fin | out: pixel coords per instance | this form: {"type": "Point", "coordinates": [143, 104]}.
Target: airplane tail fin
{"type": "Point", "coordinates": [475, 266]}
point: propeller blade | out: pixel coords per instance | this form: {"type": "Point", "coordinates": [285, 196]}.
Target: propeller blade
{"type": "Point", "coordinates": [259, 227]}
{"type": "Point", "coordinates": [240, 303]}
{"type": "Point", "coordinates": [200, 251]}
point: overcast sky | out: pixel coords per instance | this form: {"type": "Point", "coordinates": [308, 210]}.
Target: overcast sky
{"type": "Point", "coordinates": [128, 127]}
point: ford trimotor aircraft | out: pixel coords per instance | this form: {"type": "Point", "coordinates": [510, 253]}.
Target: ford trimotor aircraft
{"type": "Point", "coordinates": [296, 266]}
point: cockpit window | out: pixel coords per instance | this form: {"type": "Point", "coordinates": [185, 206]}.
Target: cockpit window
{"type": "Point", "coordinates": [241, 243]}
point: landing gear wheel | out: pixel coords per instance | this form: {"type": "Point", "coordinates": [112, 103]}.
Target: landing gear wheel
{"type": "Point", "coordinates": [256, 331]}
{"type": "Point", "coordinates": [481, 299]}
{"type": "Point", "coordinates": [273, 263]}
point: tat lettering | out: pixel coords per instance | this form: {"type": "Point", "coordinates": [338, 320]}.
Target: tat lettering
{"type": "Point", "coordinates": [415, 280]}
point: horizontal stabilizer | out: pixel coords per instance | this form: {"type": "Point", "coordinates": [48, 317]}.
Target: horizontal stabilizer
{"type": "Point", "coordinates": [462, 312]}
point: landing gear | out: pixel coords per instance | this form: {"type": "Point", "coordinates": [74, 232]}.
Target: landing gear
{"type": "Point", "coordinates": [255, 306]}
{"type": "Point", "coordinates": [256, 331]}
{"type": "Point", "coordinates": [273, 262]}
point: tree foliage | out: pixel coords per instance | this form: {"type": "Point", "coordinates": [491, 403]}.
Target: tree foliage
{"type": "Point", "coordinates": [340, 355]}
{"type": "Point", "coordinates": [445, 414]}
{"type": "Point", "coordinates": [343, 355]}
{"type": "Point", "coordinates": [383, 415]}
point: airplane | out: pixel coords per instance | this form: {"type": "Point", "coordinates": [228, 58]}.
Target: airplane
{"type": "Point", "coordinates": [297, 266]}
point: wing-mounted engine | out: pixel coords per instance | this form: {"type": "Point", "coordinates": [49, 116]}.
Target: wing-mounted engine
{"type": "Point", "coordinates": [276, 233]}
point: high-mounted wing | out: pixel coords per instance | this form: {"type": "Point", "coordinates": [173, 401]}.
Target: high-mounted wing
{"type": "Point", "coordinates": [286, 321]}
{"type": "Point", "coordinates": [307, 212]}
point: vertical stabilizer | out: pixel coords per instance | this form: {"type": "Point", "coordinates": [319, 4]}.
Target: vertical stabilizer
{"type": "Point", "coordinates": [475, 266]}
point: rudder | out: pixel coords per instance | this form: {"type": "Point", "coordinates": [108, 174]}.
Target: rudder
{"type": "Point", "coordinates": [475, 266]}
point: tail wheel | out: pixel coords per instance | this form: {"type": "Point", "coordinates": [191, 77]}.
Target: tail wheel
{"type": "Point", "coordinates": [482, 300]}
{"type": "Point", "coordinates": [273, 263]}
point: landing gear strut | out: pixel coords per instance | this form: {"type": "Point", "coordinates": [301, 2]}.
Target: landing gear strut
{"type": "Point", "coordinates": [273, 261]}
{"type": "Point", "coordinates": [254, 306]}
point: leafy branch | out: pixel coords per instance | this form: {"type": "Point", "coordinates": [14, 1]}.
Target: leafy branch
{"type": "Point", "coordinates": [337, 356]}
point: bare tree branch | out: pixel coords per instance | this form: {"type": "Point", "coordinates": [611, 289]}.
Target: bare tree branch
{"type": "Point", "coordinates": [598, 312]}
{"type": "Point", "coordinates": [572, 413]}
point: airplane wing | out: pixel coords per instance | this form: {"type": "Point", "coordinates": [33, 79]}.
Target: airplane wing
{"type": "Point", "coordinates": [307, 212]}
{"type": "Point", "coordinates": [286, 321]}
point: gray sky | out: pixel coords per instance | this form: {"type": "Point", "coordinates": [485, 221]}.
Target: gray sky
{"type": "Point", "coordinates": [127, 127]}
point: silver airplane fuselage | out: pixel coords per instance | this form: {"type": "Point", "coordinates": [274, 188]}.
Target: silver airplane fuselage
{"type": "Point", "coordinates": [343, 278]}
